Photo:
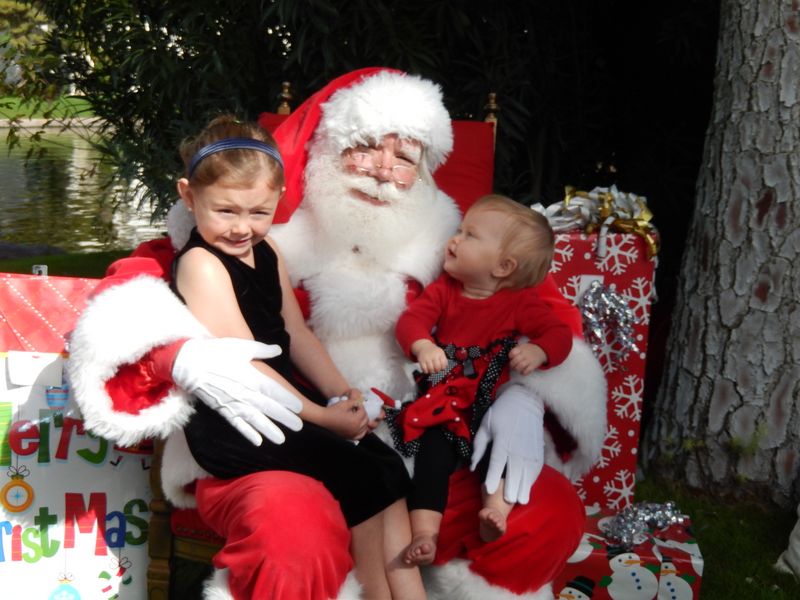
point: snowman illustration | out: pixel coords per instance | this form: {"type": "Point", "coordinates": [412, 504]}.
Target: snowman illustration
{"type": "Point", "coordinates": [690, 547]}
{"type": "Point", "coordinates": [674, 585]}
{"type": "Point", "coordinates": [588, 544]}
{"type": "Point", "coordinates": [580, 588]}
{"type": "Point", "coordinates": [631, 578]}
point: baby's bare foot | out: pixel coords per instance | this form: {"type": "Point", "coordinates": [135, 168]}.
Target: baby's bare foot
{"type": "Point", "coordinates": [421, 550]}
{"type": "Point", "coordinates": [492, 524]}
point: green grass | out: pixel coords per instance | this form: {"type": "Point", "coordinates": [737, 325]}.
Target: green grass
{"type": "Point", "coordinates": [740, 541]}
{"type": "Point", "coordinates": [60, 108]}
{"type": "Point", "coordinates": [68, 265]}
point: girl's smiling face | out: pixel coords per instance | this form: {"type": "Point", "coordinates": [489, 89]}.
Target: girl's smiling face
{"type": "Point", "coordinates": [232, 218]}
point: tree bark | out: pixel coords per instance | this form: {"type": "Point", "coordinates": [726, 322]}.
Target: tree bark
{"type": "Point", "coordinates": [727, 414]}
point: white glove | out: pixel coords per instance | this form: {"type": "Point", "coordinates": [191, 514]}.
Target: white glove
{"type": "Point", "coordinates": [372, 404]}
{"type": "Point", "coordinates": [514, 425]}
{"type": "Point", "coordinates": [218, 371]}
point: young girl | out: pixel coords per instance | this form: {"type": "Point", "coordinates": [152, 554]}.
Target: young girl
{"type": "Point", "coordinates": [231, 276]}
{"type": "Point", "coordinates": [478, 309]}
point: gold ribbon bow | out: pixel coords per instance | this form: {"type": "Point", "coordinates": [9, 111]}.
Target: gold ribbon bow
{"type": "Point", "coordinates": [613, 210]}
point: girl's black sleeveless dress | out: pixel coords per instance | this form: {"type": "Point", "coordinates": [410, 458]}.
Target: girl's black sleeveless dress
{"type": "Point", "coordinates": [365, 478]}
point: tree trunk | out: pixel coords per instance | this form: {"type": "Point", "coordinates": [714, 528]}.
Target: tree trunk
{"type": "Point", "coordinates": [727, 415]}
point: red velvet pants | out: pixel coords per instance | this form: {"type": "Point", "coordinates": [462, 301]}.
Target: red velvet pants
{"type": "Point", "coordinates": [287, 540]}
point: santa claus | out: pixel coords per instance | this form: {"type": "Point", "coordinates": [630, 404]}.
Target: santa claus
{"type": "Point", "coordinates": [357, 241]}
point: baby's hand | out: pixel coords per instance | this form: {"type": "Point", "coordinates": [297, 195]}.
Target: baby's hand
{"type": "Point", "coordinates": [526, 358]}
{"type": "Point", "coordinates": [430, 357]}
{"type": "Point", "coordinates": [348, 419]}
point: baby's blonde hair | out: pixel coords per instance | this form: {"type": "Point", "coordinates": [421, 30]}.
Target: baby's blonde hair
{"type": "Point", "coordinates": [529, 240]}
{"type": "Point", "coordinates": [237, 166]}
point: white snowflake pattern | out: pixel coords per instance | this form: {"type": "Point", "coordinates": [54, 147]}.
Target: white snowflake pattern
{"type": "Point", "coordinates": [620, 253]}
{"type": "Point", "coordinates": [571, 290]}
{"type": "Point", "coordinates": [608, 354]}
{"type": "Point", "coordinates": [639, 296]}
{"type": "Point", "coordinates": [562, 254]}
{"type": "Point", "coordinates": [578, 485]}
{"type": "Point", "coordinates": [627, 398]}
{"type": "Point", "coordinates": [619, 491]}
{"type": "Point", "coordinates": [611, 448]}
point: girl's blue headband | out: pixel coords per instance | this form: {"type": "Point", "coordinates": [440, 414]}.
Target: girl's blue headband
{"type": "Point", "coordinates": [233, 144]}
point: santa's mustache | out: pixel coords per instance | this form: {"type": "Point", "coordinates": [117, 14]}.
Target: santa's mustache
{"type": "Point", "coordinates": [385, 191]}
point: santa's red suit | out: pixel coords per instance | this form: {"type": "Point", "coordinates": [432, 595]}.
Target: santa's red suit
{"type": "Point", "coordinates": [355, 260]}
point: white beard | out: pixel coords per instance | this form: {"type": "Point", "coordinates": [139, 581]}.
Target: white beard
{"type": "Point", "coordinates": [354, 258]}
{"type": "Point", "coordinates": [344, 222]}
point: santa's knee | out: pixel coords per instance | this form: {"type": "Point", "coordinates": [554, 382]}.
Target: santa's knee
{"type": "Point", "coordinates": [292, 516]}
{"type": "Point", "coordinates": [554, 512]}
{"type": "Point", "coordinates": [285, 537]}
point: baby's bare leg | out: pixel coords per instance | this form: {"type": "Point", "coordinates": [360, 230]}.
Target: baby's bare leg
{"type": "Point", "coordinates": [424, 535]}
{"type": "Point", "coordinates": [405, 581]}
{"type": "Point", "coordinates": [493, 516]}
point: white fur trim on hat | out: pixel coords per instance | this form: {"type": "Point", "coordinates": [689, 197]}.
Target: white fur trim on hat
{"type": "Point", "coordinates": [579, 402]}
{"type": "Point", "coordinates": [119, 326]}
{"type": "Point", "coordinates": [454, 580]}
{"type": "Point", "coordinates": [387, 103]}
{"type": "Point", "coordinates": [180, 223]}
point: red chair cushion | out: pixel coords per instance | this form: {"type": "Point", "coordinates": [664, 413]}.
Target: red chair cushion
{"type": "Point", "coordinates": [270, 121]}
{"type": "Point", "coordinates": [186, 523]}
{"type": "Point", "coordinates": [468, 173]}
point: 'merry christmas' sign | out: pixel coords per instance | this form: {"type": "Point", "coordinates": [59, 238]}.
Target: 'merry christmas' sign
{"type": "Point", "coordinates": [73, 507]}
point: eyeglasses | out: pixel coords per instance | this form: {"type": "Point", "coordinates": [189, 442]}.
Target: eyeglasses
{"type": "Point", "coordinates": [365, 162]}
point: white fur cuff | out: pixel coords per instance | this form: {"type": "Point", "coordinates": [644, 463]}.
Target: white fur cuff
{"type": "Point", "coordinates": [118, 327]}
{"type": "Point", "coordinates": [576, 392]}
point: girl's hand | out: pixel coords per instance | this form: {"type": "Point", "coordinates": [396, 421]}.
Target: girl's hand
{"type": "Point", "coordinates": [354, 394]}
{"type": "Point", "coordinates": [526, 358]}
{"type": "Point", "coordinates": [347, 419]}
{"type": "Point", "coordinates": [372, 424]}
{"type": "Point", "coordinates": [430, 357]}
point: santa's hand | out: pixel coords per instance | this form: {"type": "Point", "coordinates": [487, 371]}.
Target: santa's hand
{"type": "Point", "coordinates": [218, 371]}
{"type": "Point", "coordinates": [514, 426]}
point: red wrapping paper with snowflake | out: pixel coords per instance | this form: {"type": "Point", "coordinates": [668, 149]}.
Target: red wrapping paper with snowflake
{"type": "Point", "coordinates": [73, 507]}
{"type": "Point", "coordinates": [620, 262]}
{"type": "Point", "coordinates": [662, 563]}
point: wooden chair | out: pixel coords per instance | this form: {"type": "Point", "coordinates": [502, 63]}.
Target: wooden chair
{"type": "Point", "coordinates": [179, 533]}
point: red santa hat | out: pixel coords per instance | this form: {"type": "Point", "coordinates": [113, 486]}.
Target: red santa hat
{"type": "Point", "coordinates": [357, 108]}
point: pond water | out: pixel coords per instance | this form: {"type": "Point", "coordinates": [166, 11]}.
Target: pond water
{"type": "Point", "coordinates": [54, 201]}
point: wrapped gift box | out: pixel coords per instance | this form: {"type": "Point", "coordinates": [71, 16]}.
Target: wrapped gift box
{"type": "Point", "coordinates": [37, 312]}
{"type": "Point", "coordinates": [622, 264]}
{"type": "Point", "coordinates": [665, 563]}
